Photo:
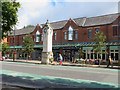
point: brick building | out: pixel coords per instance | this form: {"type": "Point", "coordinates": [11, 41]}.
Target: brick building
{"type": "Point", "coordinates": [70, 35]}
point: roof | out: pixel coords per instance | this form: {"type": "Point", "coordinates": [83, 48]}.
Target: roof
{"type": "Point", "coordinates": [101, 20]}
{"type": "Point", "coordinates": [58, 25]}
{"type": "Point", "coordinates": [25, 30]}
{"type": "Point", "coordinates": [91, 21]}
{"type": "Point", "coordinates": [80, 21]}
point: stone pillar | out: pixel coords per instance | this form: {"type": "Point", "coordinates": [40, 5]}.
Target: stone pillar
{"type": "Point", "coordinates": [47, 44]}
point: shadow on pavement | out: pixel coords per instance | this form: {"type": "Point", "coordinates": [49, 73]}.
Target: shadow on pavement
{"type": "Point", "coordinates": [29, 83]}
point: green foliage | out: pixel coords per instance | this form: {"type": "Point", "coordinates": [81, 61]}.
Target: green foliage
{"type": "Point", "coordinates": [28, 44]}
{"type": "Point", "coordinates": [5, 48]}
{"type": "Point", "coordinates": [99, 39]}
{"type": "Point", "coordinates": [9, 16]}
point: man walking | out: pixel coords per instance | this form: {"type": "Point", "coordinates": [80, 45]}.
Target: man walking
{"type": "Point", "coordinates": [109, 62]}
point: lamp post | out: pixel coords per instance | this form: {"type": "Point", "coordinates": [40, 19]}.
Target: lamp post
{"type": "Point", "coordinates": [119, 33]}
{"type": "Point", "coordinates": [14, 45]}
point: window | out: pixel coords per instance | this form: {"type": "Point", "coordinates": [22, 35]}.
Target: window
{"type": "Point", "coordinates": [37, 36]}
{"type": "Point", "coordinates": [97, 30]}
{"type": "Point", "coordinates": [11, 40]}
{"type": "Point", "coordinates": [70, 33]}
{"type": "Point", "coordinates": [76, 34]}
{"type": "Point", "coordinates": [54, 36]}
{"type": "Point", "coordinates": [65, 35]}
{"type": "Point", "coordinates": [89, 33]}
{"type": "Point", "coordinates": [115, 30]}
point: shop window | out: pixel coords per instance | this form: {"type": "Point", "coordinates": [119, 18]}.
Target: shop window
{"type": "Point", "coordinates": [116, 50]}
{"type": "Point", "coordinates": [116, 56]}
{"type": "Point", "coordinates": [112, 56]}
{"type": "Point", "coordinates": [112, 50]}
{"type": "Point", "coordinates": [92, 55]}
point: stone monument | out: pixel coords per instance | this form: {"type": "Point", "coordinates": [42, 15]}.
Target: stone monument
{"type": "Point", "coordinates": [47, 53]}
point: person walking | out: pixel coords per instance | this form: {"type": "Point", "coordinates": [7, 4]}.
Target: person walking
{"type": "Point", "coordinates": [60, 59]}
{"type": "Point", "coordinates": [109, 62]}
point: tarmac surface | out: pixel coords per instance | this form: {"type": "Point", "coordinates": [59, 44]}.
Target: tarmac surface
{"type": "Point", "coordinates": [84, 86]}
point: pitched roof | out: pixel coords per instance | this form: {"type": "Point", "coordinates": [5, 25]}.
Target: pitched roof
{"type": "Point", "coordinates": [25, 30]}
{"type": "Point", "coordinates": [91, 21]}
{"type": "Point", "coordinates": [101, 20]}
{"type": "Point", "coordinates": [58, 25]}
{"type": "Point", "coordinates": [80, 21]}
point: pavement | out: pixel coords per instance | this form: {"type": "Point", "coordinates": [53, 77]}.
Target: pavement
{"type": "Point", "coordinates": [63, 64]}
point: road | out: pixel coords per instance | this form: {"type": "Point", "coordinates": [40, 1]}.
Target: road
{"type": "Point", "coordinates": [102, 75]}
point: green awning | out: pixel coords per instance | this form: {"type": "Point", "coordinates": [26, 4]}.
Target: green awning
{"type": "Point", "coordinates": [113, 47]}
{"type": "Point", "coordinates": [17, 47]}
{"type": "Point", "coordinates": [38, 46]}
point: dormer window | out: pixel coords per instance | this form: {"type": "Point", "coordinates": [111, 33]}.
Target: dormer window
{"type": "Point", "coordinates": [37, 36]}
{"type": "Point", "coordinates": [70, 33]}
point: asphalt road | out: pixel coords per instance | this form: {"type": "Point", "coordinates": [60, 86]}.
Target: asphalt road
{"type": "Point", "coordinates": [85, 73]}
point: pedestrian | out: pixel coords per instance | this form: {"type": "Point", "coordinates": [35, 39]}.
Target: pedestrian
{"type": "Point", "coordinates": [109, 62]}
{"type": "Point", "coordinates": [60, 58]}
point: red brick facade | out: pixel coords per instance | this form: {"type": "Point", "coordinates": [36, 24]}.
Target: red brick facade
{"type": "Point", "coordinates": [82, 33]}
{"type": "Point", "coordinates": [81, 30]}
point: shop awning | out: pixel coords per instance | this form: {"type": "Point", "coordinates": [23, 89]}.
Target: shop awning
{"type": "Point", "coordinates": [17, 47]}
{"type": "Point", "coordinates": [81, 44]}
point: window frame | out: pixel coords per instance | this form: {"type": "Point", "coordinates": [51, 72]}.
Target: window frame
{"type": "Point", "coordinates": [70, 33]}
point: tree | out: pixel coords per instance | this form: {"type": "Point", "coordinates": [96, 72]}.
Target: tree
{"type": "Point", "coordinates": [99, 40]}
{"type": "Point", "coordinates": [5, 48]}
{"type": "Point", "coordinates": [28, 45]}
{"type": "Point", "coordinates": [9, 16]}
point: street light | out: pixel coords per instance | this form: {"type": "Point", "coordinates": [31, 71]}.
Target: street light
{"type": "Point", "coordinates": [14, 45]}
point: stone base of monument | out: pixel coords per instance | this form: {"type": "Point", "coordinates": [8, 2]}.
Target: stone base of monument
{"type": "Point", "coordinates": [46, 57]}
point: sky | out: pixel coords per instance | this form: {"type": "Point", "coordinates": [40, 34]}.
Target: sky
{"type": "Point", "coordinates": [33, 12]}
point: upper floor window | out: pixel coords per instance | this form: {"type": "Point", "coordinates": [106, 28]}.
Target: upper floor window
{"type": "Point", "coordinates": [37, 36]}
{"type": "Point", "coordinates": [89, 33]}
{"type": "Point", "coordinates": [115, 30]}
{"type": "Point", "coordinates": [97, 30]}
{"type": "Point", "coordinates": [76, 34]}
{"type": "Point", "coordinates": [65, 35]}
{"type": "Point", "coordinates": [54, 36]}
{"type": "Point", "coordinates": [11, 40]}
{"type": "Point", "coordinates": [70, 33]}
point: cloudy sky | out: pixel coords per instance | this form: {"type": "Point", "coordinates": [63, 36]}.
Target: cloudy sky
{"type": "Point", "coordinates": [34, 12]}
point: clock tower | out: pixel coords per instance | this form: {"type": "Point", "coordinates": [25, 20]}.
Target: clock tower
{"type": "Point", "coordinates": [47, 53]}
